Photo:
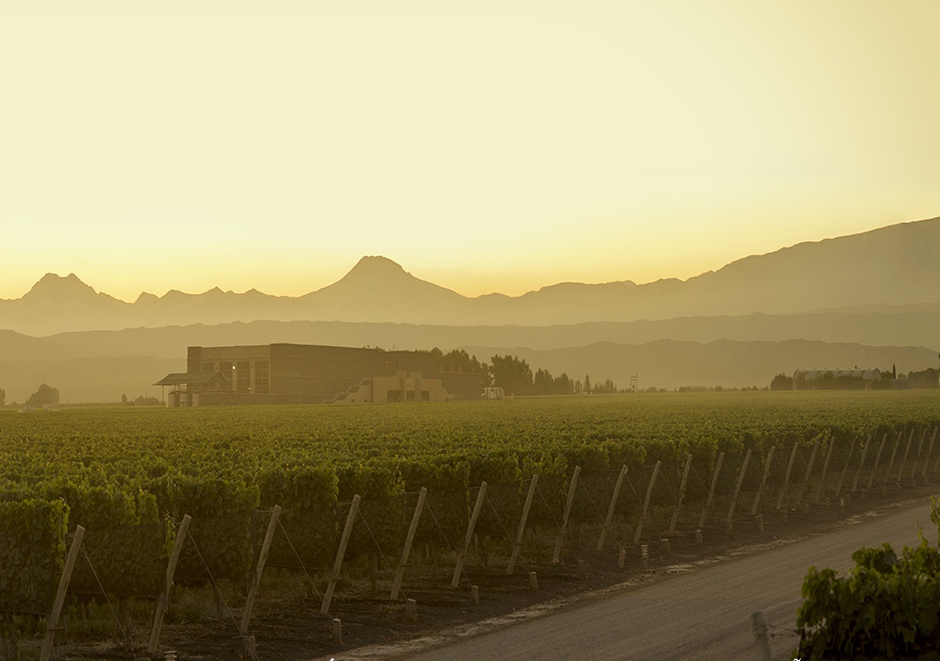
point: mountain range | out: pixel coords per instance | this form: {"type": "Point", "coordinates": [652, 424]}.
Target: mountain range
{"type": "Point", "coordinates": [871, 300]}
{"type": "Point", "coordinates": [888, 269]}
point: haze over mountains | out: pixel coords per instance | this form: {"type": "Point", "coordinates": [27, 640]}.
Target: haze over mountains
{"type": "Point", "coordinates": [845, 299]}
{"type": "Point", "coordinates": [893, 266]}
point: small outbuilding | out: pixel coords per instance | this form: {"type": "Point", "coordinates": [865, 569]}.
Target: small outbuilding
{"type": "Point", "coordinates": [187, 387]}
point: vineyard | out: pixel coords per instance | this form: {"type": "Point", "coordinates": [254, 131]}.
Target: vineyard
{"type": "Point", "coordinates": [328, 496]}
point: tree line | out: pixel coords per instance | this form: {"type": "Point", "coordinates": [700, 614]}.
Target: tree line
{"type": "Point", "coordinates": [44, 396]}
{"type": "Point", "coordinates": [515, 375]}
{"type": "Point", "coordinates": [890, 379]}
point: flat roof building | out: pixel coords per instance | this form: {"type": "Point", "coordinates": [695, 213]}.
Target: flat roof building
{"type": "Point", "coordinates": [312, 374]}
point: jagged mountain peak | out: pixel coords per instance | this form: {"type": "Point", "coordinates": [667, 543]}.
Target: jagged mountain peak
{"type": "Point", "coordinates": [55, 284]}
{"type": "Point", "coordinates": [897, 265]}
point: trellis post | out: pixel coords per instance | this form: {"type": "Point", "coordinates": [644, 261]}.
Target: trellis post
{"type": "Point", "coordinates": [907, 451]}
{"type": "Point", "coordinates": [861, 464]}
{"type": "Point", "coordinates": [685, 478]}
{"type": "Point", "coordinates": [711, 490]}
{"type": "Point", "coordinates": [822, 478]}
{"type": "Point", "coordinates": [340, 554]}
{"type": "Point", "coordinates": [406, 550]}
{"type": "Point", "coordinates": [809, 470]}
{"type": "Point", "coordinates": [786, 477]}
{"type": "Point", "coordinates": [881, 447]}
{"type": "Point", "coordinates": [845, 469]}
{"type": "Point", "coordinates": [929, 450]}
{"type": "Point", "coordinates": [520, 531]}
{"type": "Point", "coordinates": [259, 569]}
{"type": "Point", "coordinates": [646, 502]}
{"type": "Point", "coordinates": [920, 449]}
{"type": "Point", "coordinates": [52, 624]}
{"type": "Point", "coordinates": [612, 507]}
{"type": "Point", "coordinates": [556, 557]}
{"type": "Point", "coordinates": [737, 488]}
{"type": "Point", "coordinates": [481, 496]}
{"type": "Point", "coordinates": [759, 628]}
{"type": "Point", "coordinates": [763, 480]}
{"type": "Point", "coordinates": [894, 453]}
{"type": "Point", "coordinates": [164, 601]}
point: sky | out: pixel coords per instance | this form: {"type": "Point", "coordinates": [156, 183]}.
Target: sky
{"type": "Point", "coordinates": [484, 146]}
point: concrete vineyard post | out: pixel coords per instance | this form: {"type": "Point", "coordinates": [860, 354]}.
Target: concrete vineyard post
{"type": "Point", "coordinates": [822, 478]}
{"type": "Point", "coordinates": [556, 556]}
{"type": "Point", "coordinates": [786, 477]}
{"type": "Point", "coordinates": [861, 464]}
{"type": "Point", "coordinates": [920, 449]}
{"type": "Point", "coordinates": [894, 454]}
{"type": "Point", "coordinates": [737, 488]}
{"type": "Point", "coordinates": [52, 624]}
{"type": "Point", "coordinates": [809, 470]}
{"type": "Point", "coordinates": [612, 507]}
{"type": "Point", "coordinates": [259, 569]}
{"type": "Point", "coordinates": [881, 447]}
{"type": "Point", "coordinates": [845, 470]}
{"type": "Point", "coordinates": [763, 480]}
{"type": "Point", "coordinates": [520, 531]}
{"type": "Point", "coordinates": [406, 550]}
{"type": "Point", "coordinates": [340, 554]}
{"type": "Point", "coordinates": [164, 601]}
{"type": "Point", "coordinates": [711, 490]}
{"type": "Point", "coordinates": [929, 450]}
{"type": "Point", "coordinates": [646, 503]}
{"type": "Point", "coordinates": [759, 629]}
{"type": "Point", "coordinates": [675, 512]}
{"type": "Point", "coordinates": [481, 496]}
{"type": "Point", "coordinates": [907, 451]}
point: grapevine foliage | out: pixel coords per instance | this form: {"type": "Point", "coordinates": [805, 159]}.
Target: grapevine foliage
{"type": "Point", "coordinates": [885, 606]}
{"type": "Point", "coordinates": [128, 475]}
{"type": "Point", "coordinates": [32, 551]}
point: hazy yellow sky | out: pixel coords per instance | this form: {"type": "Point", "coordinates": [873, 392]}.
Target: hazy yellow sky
{"type": "Point", "coordinates": [485, 146]}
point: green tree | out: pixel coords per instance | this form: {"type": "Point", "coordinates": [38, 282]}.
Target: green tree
{"type": "Point", "coordinates": [3, 397]}
{"type": "Point", "coordinates": [587, 383]}
{"type": "Point", "coordinates": [44, 396]}
{"type": "Point", "coordinates": [782, 382]}
{"type": "Point", "coordinates": [512, 374]}
{"type": "Point", "coordinates": [458, 360]}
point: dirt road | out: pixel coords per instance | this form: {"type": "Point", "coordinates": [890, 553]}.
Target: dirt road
{"type": "Point", "coordinates": [699, 614]}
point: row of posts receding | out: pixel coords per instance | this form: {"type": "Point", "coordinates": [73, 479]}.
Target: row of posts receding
{"type": "Point", "coordinates": [846, 484]}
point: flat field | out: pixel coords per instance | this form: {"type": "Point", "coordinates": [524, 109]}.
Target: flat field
{"type": "Point", "coordinates": [686, 462]}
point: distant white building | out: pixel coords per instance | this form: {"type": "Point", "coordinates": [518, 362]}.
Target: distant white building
{"type": "Point", "coordinates": [812, 375]}
{"type": "Point", "coordinates": [493, 392]}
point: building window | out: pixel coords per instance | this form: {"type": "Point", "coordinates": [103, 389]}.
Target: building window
{"type": "Point", "coordinates": [208, 367]}
{"type": "Point", "coordinates": [228, 371]}
{"type": "Point", "coordinates": [243, 378]}
{"type": "Point", "coordinates": [262, 377]}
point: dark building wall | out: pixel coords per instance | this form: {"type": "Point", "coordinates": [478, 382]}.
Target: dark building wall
{"type": "Point", "coordinates": [321, 372]}
{"type": "Point", "coordinates": [300, 373]}
{"type": "Point", "coordinates": [462, 385]}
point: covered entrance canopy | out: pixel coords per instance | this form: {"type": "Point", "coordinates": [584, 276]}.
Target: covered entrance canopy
{"type": "Point", "coordinates": [183, 385]}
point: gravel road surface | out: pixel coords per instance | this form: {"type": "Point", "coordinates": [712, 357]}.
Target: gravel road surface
{"type": "Point", "coordinates": [702, 613]}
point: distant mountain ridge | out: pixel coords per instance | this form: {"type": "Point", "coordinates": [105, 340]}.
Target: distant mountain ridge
{"type": "Point", "coordinates": [898, 265]}
{"type": "Point", "coordinates": [81, 375]}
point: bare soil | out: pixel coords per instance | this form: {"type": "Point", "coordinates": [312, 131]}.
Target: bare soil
{"type": "Point", "coordinates": [286, 623]}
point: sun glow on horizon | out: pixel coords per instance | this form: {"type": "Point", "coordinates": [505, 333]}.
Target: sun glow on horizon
{"type": "Point", "coordinates": [485, 147]}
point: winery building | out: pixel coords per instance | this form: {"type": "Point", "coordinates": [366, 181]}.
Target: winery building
{"type": "Point", "coordinates": [310, 374]}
